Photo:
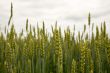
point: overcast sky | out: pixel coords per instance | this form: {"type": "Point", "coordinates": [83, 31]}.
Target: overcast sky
{"type": "Point", "coordinates": [65, 12]}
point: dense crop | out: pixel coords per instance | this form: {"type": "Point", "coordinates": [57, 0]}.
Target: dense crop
{"type": "Point", "coordinates": [37, 52]}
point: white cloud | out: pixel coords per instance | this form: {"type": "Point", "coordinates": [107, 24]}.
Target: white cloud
{"type": "Point", "coordinates": [65, 11]}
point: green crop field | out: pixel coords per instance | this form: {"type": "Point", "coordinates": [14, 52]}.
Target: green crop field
{"type": "Point", "coordinates": [37, 52]}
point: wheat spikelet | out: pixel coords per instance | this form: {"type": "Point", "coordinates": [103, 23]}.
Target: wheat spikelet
{"type": "Point", "coordinates": [9, 58]}
{"type": "Point", "coordinates": [27, 25]}
{"type": "Point", "coordinates": [89, 19]}
{"type": "Point", "coordinates": [42, 45]}
{"type": "Point", "coordinates": [83, 55]}
{"type": "Point", "coordinates": [90, 61]}
{"type": "Point", "coordinates": [60, 60]}
{"type": "Point", "coordinates": [73, 67]}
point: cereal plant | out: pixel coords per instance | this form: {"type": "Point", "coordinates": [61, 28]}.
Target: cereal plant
{"type": "Point", "coordinates": [38, 51]}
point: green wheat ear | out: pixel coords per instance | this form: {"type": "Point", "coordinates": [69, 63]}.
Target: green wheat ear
{"type": "Point", "coordinates": [104, 29]}
{"type": "Point", "coordinates": [60, 60]}
{"type": "Point", "coordinates": [83, 58]}
{"type": "Point", "coordinates": [11, 15]}
{"type": "Point", "coordinates": [42, 44]}
{"type": "Point", "coordinates": [73, 67]}
{"type": "Point", "coordinates": [97, 32]}
{"type": "Point", "coordinates": [89, 60]}
{"type": "Point", "coordinates": [27, 25]}
{"type": "Point", "coordinates": [84, 28]}
{"type": "Point", "coordinates": [89, 19]}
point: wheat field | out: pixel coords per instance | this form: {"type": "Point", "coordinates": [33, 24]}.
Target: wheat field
{"type": "Point", "coordinates": [37, 52]}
